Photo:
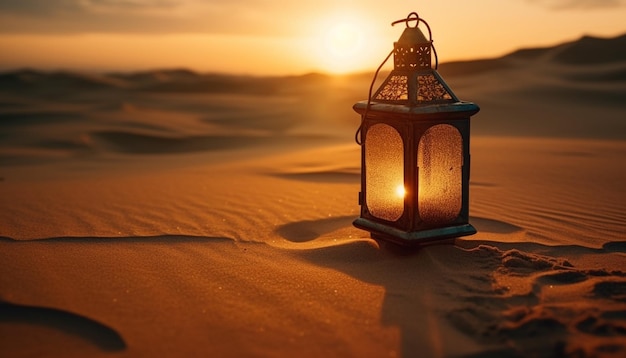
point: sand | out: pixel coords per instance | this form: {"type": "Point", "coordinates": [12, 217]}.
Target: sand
{"type": "Point", "coordinates": [139, 220]}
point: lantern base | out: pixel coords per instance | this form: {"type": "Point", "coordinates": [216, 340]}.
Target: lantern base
{"type": "Point", "coordinates": [413, 238]}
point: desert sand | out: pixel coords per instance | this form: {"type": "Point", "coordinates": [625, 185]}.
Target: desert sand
{"type": "Point", "coordinates": [170, 213]}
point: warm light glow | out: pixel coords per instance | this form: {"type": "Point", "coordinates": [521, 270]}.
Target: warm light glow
{"type": "Point", "coordinates": [400, 191]}
{"type": "Point", "coordinates": [343, 42]}
{"type": "Point", "coordinates": [384, 172]}
{"type": "Point", "coordinates": [273, 37]}
{"type": "Point", "coordinates": [440, 162]}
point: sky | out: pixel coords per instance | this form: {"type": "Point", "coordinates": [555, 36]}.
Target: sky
{"type": "Point", "coordinates": [278, 37]}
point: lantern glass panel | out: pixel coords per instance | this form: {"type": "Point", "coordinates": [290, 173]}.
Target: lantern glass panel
{"type": "Point", "coordinates": [384, 172]}
{"type": "Point", "coordinates": [440, 162]}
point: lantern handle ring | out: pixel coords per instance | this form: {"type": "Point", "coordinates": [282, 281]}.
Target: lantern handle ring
{"type": "Point", "coordinates": [358, 135]}
{"type": "Point", "coordinates": [411, 17]}
{"type": "Point", "coordinates": [415, 17]}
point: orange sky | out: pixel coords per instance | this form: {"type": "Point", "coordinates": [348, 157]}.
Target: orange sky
{"type": "Point", "coordinates": [278, 37]}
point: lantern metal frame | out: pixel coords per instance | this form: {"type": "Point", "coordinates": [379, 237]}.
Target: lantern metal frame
{"type": "Point", "coordinates": [402, 106]}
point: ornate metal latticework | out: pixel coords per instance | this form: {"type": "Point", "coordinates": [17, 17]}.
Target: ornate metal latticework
{"type": "Point", "coordinates": [413, 57]}
{"type": "Point", "coordinates": [413, 81]}
{"type": "Point", "coordinates": [394, 89]}
{"type": "Point", "coordinates": [429, 89]}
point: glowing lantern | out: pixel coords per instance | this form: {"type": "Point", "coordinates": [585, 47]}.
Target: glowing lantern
{"type": "Point", "coordinates": [415, 160]}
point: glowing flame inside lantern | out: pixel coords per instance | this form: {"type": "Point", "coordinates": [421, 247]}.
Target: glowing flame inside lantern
{"type": "Point", "coordinates": [400, 191]}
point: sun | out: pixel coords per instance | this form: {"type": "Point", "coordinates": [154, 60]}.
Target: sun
{"type": "Point", "coordinates": [341, 43]}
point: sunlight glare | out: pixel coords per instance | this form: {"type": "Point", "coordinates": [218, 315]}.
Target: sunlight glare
{"type": "Point", "coordinates": [343, 40]}
{"type": "Point", "coordinates": [344, 43]}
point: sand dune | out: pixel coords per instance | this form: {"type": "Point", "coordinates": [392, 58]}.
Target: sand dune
{"type": "Point", "coordinates": [171, 213]}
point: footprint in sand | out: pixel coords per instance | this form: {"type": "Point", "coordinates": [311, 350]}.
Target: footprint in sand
{"type": "Point", "coordinates": [52, 324]}
{"type": "Point", "coordinates": [309, 230]}
{"type": "Point", "coordinates": [580, 310]}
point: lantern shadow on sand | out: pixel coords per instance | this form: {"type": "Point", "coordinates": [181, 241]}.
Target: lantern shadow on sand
{"type": "Point", "coordinates": [415, 159]}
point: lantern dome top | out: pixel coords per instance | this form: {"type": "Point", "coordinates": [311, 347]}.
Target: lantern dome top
{"type": "Point", "coordinates": [412, 35]}
{"type": "Point", "coordinates": [413, 80]}
{"type": "Point", "coordinates": [413, 90]}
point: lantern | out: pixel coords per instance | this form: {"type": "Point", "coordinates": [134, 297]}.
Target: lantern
{"type": "Point", "coordinates": [415, 158]}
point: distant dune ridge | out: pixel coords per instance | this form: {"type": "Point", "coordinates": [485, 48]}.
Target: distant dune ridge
{"type": "Point", "coordinates": [577, 79]}
{"type": "Point", "coordinates": [178, 214]}
{"type": "Point", "coordinates": [587, 50]}
{"type": "Point", "coordinates": [169, 80]}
